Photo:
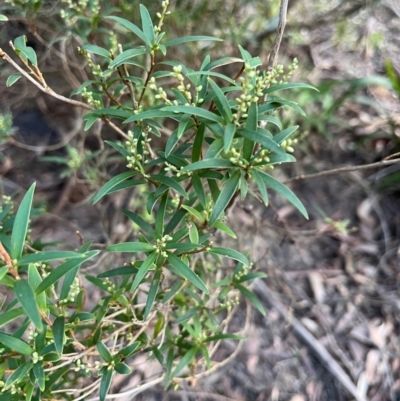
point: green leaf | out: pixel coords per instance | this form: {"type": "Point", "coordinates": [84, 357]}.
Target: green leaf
{"type": "Point", "coordinates": [123, 369]}
{"type": "Point", "coordinates": [105, 384]}
{"type": "Point", "coordinates": [9, 316]}
{"type": "Point", "coordinates": [289, 85]}
{"type": "Point", "coordinates": [186, 39]}
{"type": "Point", "coordinates": [12, 79]}
{"type": "Point", "coordinates": [224, 228]}
{"type": "Point", "coordinates": [278, 138]}
{"type": "Point", "coordinates": [104, 352]}
{"type": "Point", "coordinates": [18, 374]}
{"type": "Point", "coordinates": [127, 55]}
{"type": "Point", "coordinates": [209, 163]}
{"type": "Point", "coordinates": [131, 27]}
{"type": "Point", "coordinates": [229, 133]}
{"type": "Point", "coordinates": [198, 143]}
{"type": "Point", "coordinates": [151, 295]}
{"type": "Point", "coordinates": [223, 336]}
{"type": "Point", "coordinates": [106, 188]}
{"type": "Point", "coordinates": [284, 191]}
{"type": "Point", "coordinates": [34, 281]}
{"type": "Point", "coordinates": [132, 247]}
{"type": "Point", "coordinates": [170, 182]}
{"type": "Point", "coordinates": [26, 297]}
{"type": "Point", "coordinates": [161, 215]}
{"type": "Point", "coordinates": [129, 350]}
{"type": "Point", "coordinates": [266, 142]}
{"type": "Point", "coordinates": [230, 253]}
{"type": "Point", "coordinates": [194, 212]}
{"type": "Point", "coordinates": [148, 115]}
{"type": "Point", "coordinates": [3, 271]}
{"type": "Point", "coordinates": [62, 270]}
{"type": "Point", "coordinates": [39, 374]}
{"type": "Point", "coordinates": [261, 186]}
{"type": "Point", "coordinates": [147, 24]}
{"type": "Point", "coordinates": [225, 197]}
{"type": "Point", "coordinates": [143, 269]}
{"type": "Point", "coordinates": [221, 101]}
{"type": "Point", "coordinates": [21, 222]}
{"type": "Point", "coordinates": [195, 111]}
{"type": "Point", "coordinates": [97, 50]}
{"type": "Point", "coordinates": [251, 297]}
{"type": "Point", "coordinates": [118, 148]}
{"type": "Point", "coordinates": [119, 271]}
{"type": "Point", "coordinates": [199, 189]}
{"type": "Point", "coordinates": [3, 17]}
{"type": "Point", "coordinates": [186, 272]}
{"type": "Point", "coordinates": [58, 334]}
{"type": "Point", "coordinates": [110, 112]}
{"type": "Point", "coordinates": [15, 344]}
{"type": "Point", "coordinates": [186, 316]}
{"type": "Point", "coordinates": [193, 234]}
{"type": "Point", "coordinates": [48, 256]}
{"type": "Point", "coordinates": [186, 359]}
{"type": "Point", "coordinates": [146, 227]}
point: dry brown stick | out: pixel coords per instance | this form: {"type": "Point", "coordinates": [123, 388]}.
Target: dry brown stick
{"type": "Point", "coordinates": [279, 34]}
{"type": "Point", "coordinates": [342, 170]}
{"type": "Point", "coordinates": [320, 351]}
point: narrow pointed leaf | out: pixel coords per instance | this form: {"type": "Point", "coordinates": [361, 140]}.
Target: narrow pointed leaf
{"type": "Point", "coordinates": [199, 189]}
{"type": "Point", "coordinates": [131, 27]}
{"type": "Point", "coordinates": [195, 111]}
{"type": "Point", "coordinates": [143, 269]}
{"type": "Point", "coordinates": [34, 281]}
{"type": "Point", "coordinates": [144, 225]}
{"type": "Point", "coordinates": [210, 163]}
{"type": "Point", "coordinates": [49, 256]}
{"type": "Point", "coordinates": [224, 197]}
{"type": "Point", "coordinates": [283, 190]}
{"type": "Point", "coordinates": [15, 344]}
{"type": "Point", "coordinates": [186, 359]}
{"type": "Point", "coordinates": [171, 182]}
{"type": "Point", "coordinates": [147, 24]}
{"type": "Point", "coordinates": [251, 297]}
{"type": "Point", "coordinates": [221, 101]}
{"type": "Point", "coordinates": [39, 374]}
{"type": "Point", "coordinates": [290, 85]}
{"type": "Point", "coordinates": [104, 352]}
{"type": "Point", "coordinates": [26, 297]}
{"type": "Point", "coordinates": [187, 272]}
{"type": "Point", "coordinates": [21, 222]}
{"type": "Point", "coordinates": [131, 247]}
{"type": "Point", "coordinates": [187, 39]}
{"type": "Point", "coordinates": [266, 142]}
{"type": "Point", "coordinates": [229, 133]}
{"type": "Point", "coordinates": [62, 270]}
{"type": "Point", "coordinates": [18, 374]}
{"type": "Point", "coordinates": [230, 253]}
{"type": "Point", "coordinates": [105, 384]}
{"type": "Point", "coordinates": [127, 55]}
{"type": "Point", "coordinates": [58, 334]}
{"type": "Point", "coordinates": [9, 316]}
{"type": "Point", "coordinates": [97, 50]}
{"type": "Point", "coordinates": [106, 188]}
{"type": "Point", "coordinates": [278, 138]}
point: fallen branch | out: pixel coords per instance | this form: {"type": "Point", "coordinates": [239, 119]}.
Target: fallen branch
{"type": "Point", "coordinates": [346, 169]}
{"type": "Point", "coordinates": [320, 351]}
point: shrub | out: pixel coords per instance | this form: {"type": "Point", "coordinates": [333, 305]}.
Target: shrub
{"type": "Point", "coordinates": [194, 140]}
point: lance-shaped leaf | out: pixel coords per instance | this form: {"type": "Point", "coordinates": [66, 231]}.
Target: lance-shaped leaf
{"type": "Point", "coordinates": [97, 50]}
{"type": "Point", "coordinates": [106, 188]}
{"type": "Point", "coordinates": [105, 384]}
{"type": "Point", "coordinates": [58, 334]}
{"type": "Point", "coordinates": [18, 374]}
{"type": "Point", "coordinates": [185, 271]}
{"type": "Point", "coordinates": [147, 24]}
{"type": "Point", "coordinates": [221, 101]}
{"type": "Point", "coordinates": [186, 359]}
{"type": "Point", "coordinates": [224, 197]}
{"type": "Point", "coordinates": [21, 222]}
{"type": "Point", "coordinates": [26, 297]}
{"type": "Point", "coordinates": [230, 253]}
{"type": "Point", "coordinates": [283, 190]}
{"type": "Point", "coordinates": [15, 344]}
{"type": "Point", "coordinates": [133, 28]}
{"type": "Point", "coordinates": [278, 138]}
{"type": "Point", "coordinates": [289, 85]}
{"type": "Point", "coordinates": [104, 352]}
{"type": "Point", "coordinates": [186, 39]}
{"type": "Point", "coordinates": [210, 163]}
{"type": "Point", "coordinates": [127, 55]}
{"type": "Point", "coordinates": [143, 269]}
{"type": "Point", "coordinates": [171, 182]}
{"type": "Point", "coordinates": [195, 111]}
{"type": "Point", "coordinates": [263, 140]}
{"type": "Point", "coordinates": [48, 256]}
{"type": "Point", "coordinates": [133, 247]}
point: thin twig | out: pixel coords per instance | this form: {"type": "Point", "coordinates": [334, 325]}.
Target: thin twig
{"type": "Point", "coordinates": [343, 170]}
{"type": "Point", "coordinates": [279, 34]}
{"type": "Point", "coordinates": [330, 363]}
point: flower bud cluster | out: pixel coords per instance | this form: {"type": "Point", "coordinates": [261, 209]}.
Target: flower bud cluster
{"type": "Point", "coordinates": [80, 366]}
{"type": "Point", "coordinates": [32, 334]}
{"type": "Point", "coordinates": [286, 145]}
{"type": "Point", "coordinates": [96, 69]}
{"type": "Point", "coordinates": [13, 389]}
{"type": "Point", "coordinates": [74, 291]}
{"type": "Point", "coordinates": [75, 160]}
{"type": "Point", "coordinates": [90, 99]}
{"type": "Point", "coordinates": [262, 156]}
{"type": "Point", "coordinates": [161, 15]}
{"type": "Point", "coordinates": [110, 285]}
{"type": "Point", "coordinates": [5, 124]}
{"type": "Point", "coordinates": [135, 159]}
{"type": "Point", "coordinates": [292, 67]}
{"type": "Point", "coordinates": [228, 305]}
{"type": "Point", "coordinates": [177, 171]}
{"type": "Point", "coordinates": [236, 158]}
{"type": "Point", "coordinates": [36, 358]}
{"type": "Point", "coordinates": [160, 245]}
{"type": "Point", "coordinates": [161, 94]}
{"type": "Point", "coordinates": [182, 88]}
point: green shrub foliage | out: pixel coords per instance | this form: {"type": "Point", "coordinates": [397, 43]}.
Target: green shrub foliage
{"type": "Point", "coordinates": [193, 140]}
